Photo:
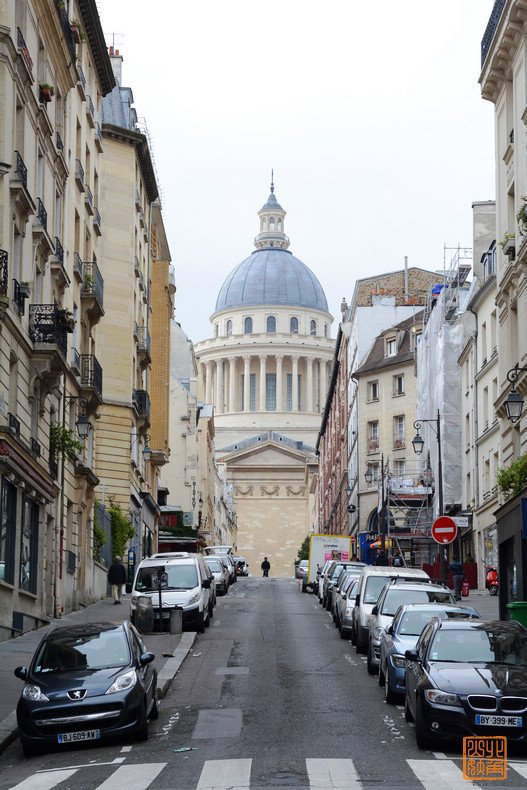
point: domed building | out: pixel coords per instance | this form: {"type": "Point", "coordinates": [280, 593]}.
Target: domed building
{"type": "Point", "coordinates": [266, 370]}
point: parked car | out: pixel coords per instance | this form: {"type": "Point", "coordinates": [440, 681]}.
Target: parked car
{"type": "Point", "coordinates": [344, 605]}
{"type": "Point", "coordinates": [371, 582]}
{"type": "Point", "coordinates": [321, 575]}
{"type": "Point", "coordinates": [332, 575]}
{"type": "Point", "coordinates": [467, 677]}
{"type": "Point", "coordinates": [185, 583]}
{"type": "Point", "coordinates": [87, 683]}
{"type": "Point", "coordinates": [402, 635]}
{"type": "Point", "coordinates": [218, 550]}
{"type": "Point", "coordinates": [351, 570]}
{"type": "Point", "coordinates": [242, 569]}
{"type": "Point", "coordinates": [395, 593]}
{"type": "Point", "coordinates": [231, 565]}
{"type": "Point", "coordinates": [303, 564]}
{"type": "Point", "coordinates": [220, 573]}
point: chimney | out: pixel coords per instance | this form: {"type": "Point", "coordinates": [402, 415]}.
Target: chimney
{"type": "Point", "coordinates": [117, 64]}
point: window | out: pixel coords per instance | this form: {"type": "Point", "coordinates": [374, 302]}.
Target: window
{"type": "Point", "coordinates": [326, 330]}
{"type": "Point", "coordinates": [252, 392]}
{"type": "Point", "coordinates": [398, 385]}
{"type": "Point", "coordinates": [270, 391]}
{"type": "Point", "coordinates": [271, 324]}
{"type": "Point", "coordinates": [29, 546]}
{"type": "Point", "coordinates": [489, 261]}
{"type": "Point", "coordinates": [7, 531]}
{"type": "Point", "coordinates": [293, 325]}
{"type": "Point", "coordinates": [373, 436]}
{"type": "Point", "coordinates": [399, 468]}
{"type": "Point", "coordinates": [373, 390]}
{"type": "Point", "coordinates": [398, 432]}
{"type": "Point", "coordinates": [313, 328]}
{"type": "Point", "coordinates": [248, 326]}
{"type": "Point", "coordinates": [289, 394]}
{"type": "Point", "coordinates": [271, 223]}
{"type": "Point", "coordinates": [391, 347]}
{"type": "Point", "coordinates": [228, 328]}
{"type": "Point", "coordinates": [415, 339]}
{"type": "Point", "coordinates": [216, 330]}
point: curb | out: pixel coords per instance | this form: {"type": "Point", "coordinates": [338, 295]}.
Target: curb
{"type": "Point", "coordinates": [8, 725]}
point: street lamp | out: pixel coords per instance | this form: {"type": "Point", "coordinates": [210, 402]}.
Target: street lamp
{"type": "Point", "coordinates": [514, 402]}
{"type": "Point", "coordinates": [418, 445]}
{"type": "Point", "coordinates": [368, 475]}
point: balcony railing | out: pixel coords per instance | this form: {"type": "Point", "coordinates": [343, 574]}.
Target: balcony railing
{"type": "Point", "coordinates": [42, 214]}
{"type": "Point", "coordinates": [21, 44]}
{"type": "Point", "coordinates": [88, 199]}
{"type": "Point", "coordinates": [14, 424]}
{"type": "Point", "coordinates": [141, 403]}
{"type": "Point", "coordinates": [491, 29]}
{"type": "Point", "coordinates": [59, 250]}
{"type": "Point", "coordinates": [20, 169]}
{"type": "Point", "coordinates": [66, 27]}
{"type": "Point", "coordinates": [58, 142]}
{"type": "Point", "coordinates": [45, 327]}
{"type": "Point", "coordinates": [79, 175]}
{"type": "Point", "coordinates": [20, 294]}
{"type": "Point", "coordinates": [35, 447]}
{"type": "Point", "coordinates": [90, 109]}
{"type": "Point", "coordinates": [78, 266]}
{"type": "Point", "coordinates": [98, 135]}
{"type": "Point", "coordinates": [75, 361]}
{"type": "Point", "coordinates": [4, 258]}
{"type": "Point", "coordinates": [93, 283]}
{"type": "Point", "coordinates": [97, 221]}
{"type": "Point", "coordinates": [91, 374]}
{"type": "Point", "coordinates": [137, 199]}
{"type": "Point", "coordinates": [143, 339]}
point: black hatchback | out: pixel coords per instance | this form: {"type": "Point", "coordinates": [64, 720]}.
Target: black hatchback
{"type": "Point", "coordinates": [87, 683]}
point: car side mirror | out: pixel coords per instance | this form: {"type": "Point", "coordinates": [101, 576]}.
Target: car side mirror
{"type": "Point", "coordinates": [205, 584]}
{"type": "Point", "coordinates": [375, 610]}
{"type": "Point", "coordinates": [146, 658]}
{"type": "Point", "coordinates": [389, 630]}
{"type": "Point", "coordinates": [21, 672]}
{"type": "Point", "coordinates": [357, 600]}
{"type": "Point", "coordinates": [411, 655]}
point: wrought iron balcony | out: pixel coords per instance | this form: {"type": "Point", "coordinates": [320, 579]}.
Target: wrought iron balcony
{"type": "Point", "coordinates": [20, 169]}
{"type": "Point", "coordinates": [78, 267]}
{"type": "Point", "coordinates": [98, 136]}
{"type": "Point", "coordinates": [143, 343]}
{"type": "Point", "coordinates": [491, 29]}
{"type": "Point", "coordinates": [91, 375]}
{"type": "Point", "coordinates": [4, 258]}
{"type": "Point", "coordinates": [18, 187]}
{"type": "Point", "coordinates": [141, 403]}
{"type": "Point", "coordinates": [20, 294]}
{"type": "Point", "coordinates": [58, 142]}
{"type": "Point", "coordinates": [45, 328]}
{"type": "Point", "coordinates": [90, 111]}
{"type": "Point", "coordinates": [42, 214]}
{"type": "Point", "coordinates": [24, 51]}
{"type": "Point", "coordinates": [79, 174]}
{"type": "Point", "coordinates": [141, 217]}
{"type": "Point", "coordinates": [66, 27]}
{"type": "Point", "coordinates": [53, 468]}
{"type": "Point", "coordinates": [88, 199]}
{"type": "Point", "coordinates": [81, 84]}
{"type": "Point", "coordinates": [14, 424]}
{"type": "Point", "coordinates": [137, 199]}
{"type": "Point", "coordinates": [137, 266]}
{"type": "Point", "coordinates": [59, 250]}
{"type": "Point", "coordinates": [93, 286]}
{"type": "Point", "coordinates": [97, 221]}
{"type": "Point", "coordinates": [75, 363]}
{"type": "Point", "coordinates": [35, 447]}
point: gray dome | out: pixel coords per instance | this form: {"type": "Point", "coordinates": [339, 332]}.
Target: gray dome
{"type": "Point", "coordinates": [273, 277]}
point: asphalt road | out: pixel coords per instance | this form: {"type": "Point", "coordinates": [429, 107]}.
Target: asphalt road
{"type": "Point", "coordinates": [270, 697]}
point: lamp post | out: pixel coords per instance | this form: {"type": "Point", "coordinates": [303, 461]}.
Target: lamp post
{"type": "Point", "coordinates": [418, 444]}
{"type": "Point", "coordinates": [368, 476]}
{"type": "Point", "coordinates": [514, 402]}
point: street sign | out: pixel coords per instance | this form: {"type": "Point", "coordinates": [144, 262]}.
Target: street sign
{"type": "Point", "coordinates": [461, 521]}
{"type": "Point", "coordinates": [444, 530]}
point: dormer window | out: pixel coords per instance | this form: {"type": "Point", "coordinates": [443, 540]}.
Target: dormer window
{"type": "Point", "coordinates": [248, 326]}
{"type": "Point", "coordinates": [228, 328]}
{"type": "Point", "coordinates": [293, 325]}
{"type": "Point", "coordinates": [391, 347]}
{"type": "Point", "coordinates": [271, 324]}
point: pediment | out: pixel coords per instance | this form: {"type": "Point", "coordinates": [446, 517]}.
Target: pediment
{"type": "Point", "coordinates": [267, 454]}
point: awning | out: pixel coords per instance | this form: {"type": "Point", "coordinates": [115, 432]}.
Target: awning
{"type": "Point", "coordinates": [16, 462]}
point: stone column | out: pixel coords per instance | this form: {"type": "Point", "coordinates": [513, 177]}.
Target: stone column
{"type": "Point", "coordinates": [309, 384]}
{"type": "Point", "coordinates": [279, 383]}
{"type": "Point", "coordinates": [263, 363]}
{"type": "Point", "coordinates": [219, 386]}
{"type": "Point", "coordinates": [232, 384]}
{"type": "Point", "coordinates": [247, 383]}
{"type": "Point", "coordinates": [294, 387]}
{"type": "Point", "coordinates": [208, 381]}
{"type": "Point", "coordinates": [323, 383]}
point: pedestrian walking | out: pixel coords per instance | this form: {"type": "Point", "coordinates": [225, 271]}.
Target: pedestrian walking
{"type": "Point", "coordinates": [265, 566]}
{"type": "Point", "coordinates": [458, 575]}
{"type": "Point", "coordinates": [398, 561]}
{"type": "Point", "coordinates": [117, 577]}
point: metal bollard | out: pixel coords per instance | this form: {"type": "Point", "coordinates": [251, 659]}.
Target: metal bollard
{"type": "Point", "coordinates": [176, 620]}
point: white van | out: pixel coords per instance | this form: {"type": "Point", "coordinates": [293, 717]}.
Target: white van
{"type": "Point", "coordinates": [185, 582]}
{"type": "Point", "coordinates": [371, 582]}
{"type": "Point", "coordinates": [218, 550]}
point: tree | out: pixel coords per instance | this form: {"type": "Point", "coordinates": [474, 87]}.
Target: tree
{"type": "Point", "coordinates": [303, 551]}
{"type": "Point", "coordinates": [122, 530]}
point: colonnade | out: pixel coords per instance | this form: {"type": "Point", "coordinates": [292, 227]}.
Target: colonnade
{"type": "Point", "coordinates": [242, 384]}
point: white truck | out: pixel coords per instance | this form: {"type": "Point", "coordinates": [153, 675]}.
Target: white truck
{"type": "Point", "coordinates": [327, 547]}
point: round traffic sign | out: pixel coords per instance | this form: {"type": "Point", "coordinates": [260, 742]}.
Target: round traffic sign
{"type": "Point", "coordinates": [444, 529]}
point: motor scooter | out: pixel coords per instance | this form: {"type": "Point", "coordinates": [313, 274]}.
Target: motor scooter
{"type": "Point", "coordinates": [492, 583]}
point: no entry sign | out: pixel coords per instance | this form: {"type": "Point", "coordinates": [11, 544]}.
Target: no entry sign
{"type": "Point", "coordinates": [444, 529]}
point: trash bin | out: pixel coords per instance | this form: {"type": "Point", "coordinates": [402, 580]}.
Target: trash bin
{"type": "Point", "coordinates": [145, 615]}
{"type": "Point", "coordinates": [176, 620]}
{"type": "Point", "coordinates": [518, 611]}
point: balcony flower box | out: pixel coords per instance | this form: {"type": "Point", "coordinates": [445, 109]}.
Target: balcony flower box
{"type": "Point", "coordinates": [46, 92]}
{"type": "Point", "coordinates": [76, 31]}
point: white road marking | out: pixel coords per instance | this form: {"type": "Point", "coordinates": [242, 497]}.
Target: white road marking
{"type": "Point", "coordinates": [329, 774]}
{"type": "Point", "coordinates": [91, 764]}
{"type": "Point", "coordinates": [440, 775]}
{"type": "Point", "coordinates": [223, 774]}
{"type": "Point", "coordinates": [119, 760]}
{"type": "Point", "coordinates": [520, 768]}
{"type": "Point", "coordinates": [133, 777]}
{"type": "Point", "coordinates": [45, 780]}
{"type": "Point", "coordinates": [216, 622]}
{"type": "Point", "coordinates": [126, 749]}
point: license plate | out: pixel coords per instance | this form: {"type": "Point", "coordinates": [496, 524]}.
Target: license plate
{"type": "Point", "coordinates": [76, 737]}
{"type": "Point", "coordinates": [165, 615]}
{"type": "Point", "coordinates": [498, 721]}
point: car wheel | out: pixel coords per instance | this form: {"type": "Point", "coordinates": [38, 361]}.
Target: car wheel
{"type": "Point", "coordinates": [142, 729]}
{"type": "Point", "coordinates": [334, 617]}
{"type": "Point", "coordinates": [201, 624]}
{"type": "Point", "coordinates": [382, 676]}
{"type": "Point", "coordinates": [407, 712]}
{"type": "Point", "coordinates": [328, 605]}
{"type": "Point", "coordinates": [359, 647]}
{"type": "Point", "coordinates": [422, 738]}
{"type": "Point", "coordinates": [353, 637]}
{"type": "Point", "coordinates": [390, 697]}
{"type": "Point", "coordinates": [369, 662]}
{"type": "Point", "coordinates": [211, 611]}
{"type": "Point", "coordinates": [154, 710]}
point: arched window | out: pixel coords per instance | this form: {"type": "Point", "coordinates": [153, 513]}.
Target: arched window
{"type": "Point", "coordinates": [248, 326]}
{"type": "Point", "coordinates": [279, 223]}
{"type": "Point", "coordinates": [293, 325]}
{"type": "Point", "coordinates": [271, 223]}
{"type": "Point", "coordinates": [216, 330]}
{"type": "Point", "coordinates": [271, 324]}
{"type": "Point", "coordinates": [228, 328]}
{"type": "Point", "coordinates": [262, 224]}
{"type": "Point", "coordinates": [313, 328]}
{"type": "Point", "coordinates": [325, 330]}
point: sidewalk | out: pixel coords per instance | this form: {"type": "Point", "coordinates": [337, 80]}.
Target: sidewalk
{"type": "Point", "coordinates": [19, 651]}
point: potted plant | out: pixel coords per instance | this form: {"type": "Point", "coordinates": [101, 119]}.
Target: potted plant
{"type": "Point", "coordinates": [76, 31]}
{"type": "Point", "coordinates": [521, 217]}
{"type": "Point", "coordinates": [66, 320]}
{"type": "Point", "coordinates": [47, 91]}
{"type": "Point", "coordinates": [508, 244]}
{"type": "Point", "coordinates": [24, 289]}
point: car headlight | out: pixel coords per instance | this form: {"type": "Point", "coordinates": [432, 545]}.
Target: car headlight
{"type": "Point", "coordinates": [398, 661]}
{"type": "Point", "coordinates": [439, 697]}
{"type": "Point", "coordinates": [34, 693]}
{"type": "Point", "coordinates": [194, 598]}
{"type": "Point", "coordinates": [123, 682]}
{"type": "Point", "coordinates": [377, 632]}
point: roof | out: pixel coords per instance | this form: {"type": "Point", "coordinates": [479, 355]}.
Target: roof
{"type": "Point", "coordinates": [271, 276]}
{"type": "Point", "coordinates": [376, 358]}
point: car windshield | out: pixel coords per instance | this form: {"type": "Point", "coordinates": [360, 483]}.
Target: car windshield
{"type": "Point", "coordinates": [396, 597]}
{"type": "Point", "coordinates": [480, 645]}
{"type": "Point", "coordinates": [87, 651]}
{"type": "Point", "coordinates": [215, 565]}
{"type": "Point", "coordinates": [347, 582]}
{"type": "Point", "coordinates": [413, 622]}
{"type": "Point", "coordinates": [180, 577]}
{"type": "Point", "coordinates": [374, 585]}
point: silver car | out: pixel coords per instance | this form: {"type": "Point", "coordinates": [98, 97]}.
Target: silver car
{"type": "Point", "coordinates": [220, 573]}
{"type": "Point", "coordinates": [345, 604]}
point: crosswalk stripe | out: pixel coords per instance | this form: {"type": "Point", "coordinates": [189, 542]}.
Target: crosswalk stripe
{"type": "Point", "coordinates": [520, 768]}
{"type": "Point", "coordinates": [133, 777]}
{"type": "Point", "coordinates": [223, 774]}
{"type": "Point", "coordinates": [44, 781]}
{"type": "Point", "coordinates": [329, 774]}
{"type": "Point", "coordinates": [440, 775]}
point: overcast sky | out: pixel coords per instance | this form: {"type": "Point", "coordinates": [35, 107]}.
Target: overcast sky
{"type": "Point", "coordinates": [369, 112]}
